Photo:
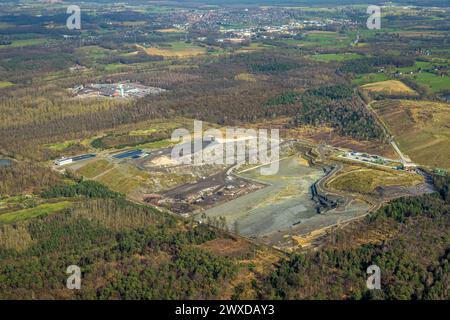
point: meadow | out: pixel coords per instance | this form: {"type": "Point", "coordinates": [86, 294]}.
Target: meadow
{"type": "Point", "coordinates": [177, 49]}
{"type": "Point", "coordinates": [38, 211]}
{"type": "Point", "coordinates": [420, 128]}
{"type": "Point", "coordinates": [366, 180]}
{"type": "Point", "coordinates": [389, 87]}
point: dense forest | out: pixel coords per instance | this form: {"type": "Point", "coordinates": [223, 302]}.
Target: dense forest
{"type": "Point", "coordinates": [339, 107]}
{"type": "Point", "coordinates": [124, 250]}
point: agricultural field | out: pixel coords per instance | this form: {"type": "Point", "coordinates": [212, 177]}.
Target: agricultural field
{"type": "Point", "coordinates": [389, 87]}
{"type": "Point", "coordinates": [177, 49]}
{"type": "Point", "coordinates": [435, 83]}
{"type": "Point", "coordinates": [421, 129]}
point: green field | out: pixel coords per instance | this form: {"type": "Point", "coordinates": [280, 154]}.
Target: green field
{"type": "Point", "coordinates": [364, 180]}
{"type": "Point", "coordinates": [417, 65]}
{"type": "Point", "coordinates": [124, 179]}
{"type": "Point", "coordinates": [114, 67]}
{"type": "Point", "coordinates": [157, 144]}
{"type": "Point", "coordinates": [41, 210]}
{"type": "Point", "coordinates": [434, 82]}
{"type": "Point", "coordinates": [24, 43]}
{"type": "Point", "coordinates": [420, 75]}
{"type": "Point", "coordinates": [179, 49]}
{"type": "Point", "coordinates": [5, 84]}
{"type": "Point", "coordinates": [370, 78]}
{"type": "Point", "coordinates": [61, 146]}
{"type": "Point", "coordinates": [336, 57]}
{"type": "Point", "coordinates": [95, 168]}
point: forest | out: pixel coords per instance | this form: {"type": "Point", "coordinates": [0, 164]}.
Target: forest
{"type": "Point", "coordinates": [339, 107]}
{"type": "Point", "coordinates": [137, 252]}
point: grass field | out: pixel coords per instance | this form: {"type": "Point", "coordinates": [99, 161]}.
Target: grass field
{"type": "Point", "coordinates": [41, 210]}
{"type": "Point", "coordinates": [121, 178]}
{"type": "Point", "coordinates": [95, 168]}
{"type": "Point", "coordinates": [370, 78]}
{"type": "Point", "coordinates": [24, 43]}
{"type": "Point", "coordinates": [170, 30]}
{"type": "Point", "coordinates": [421, 76]}
{"type": "Point", "coordinates": [365, 180]}
{"type": "Point", "coordinates": [327, 39]}
{"type": "Point", "coordinates": [114, 67]}
{"type": "Point", "coordinates": [177, 49]}
{"type": "Point", "coordinates": [389, 87]}
{"type": "Point", "coordinates": [421, 129]}
{"type": "Point", "coordinates": [5, 84]}
{"type": "Point", "coordinates": [61, 146]}
{"type": "Point", "coordinates": [248, 77]}
{"type": "Point", "coordinates": [339, 57]}
{"type": "Point", "coordinates": [434, 82]}
{"type": "Point", "coordinates": [124, 178]}
{"type": "Point", "coordinates": [157, 144]}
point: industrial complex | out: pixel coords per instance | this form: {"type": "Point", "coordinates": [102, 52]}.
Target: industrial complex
{"type": "Point", "coordinates": [64, 161]}
{"type": "Point", "coordinates": [115, 90]}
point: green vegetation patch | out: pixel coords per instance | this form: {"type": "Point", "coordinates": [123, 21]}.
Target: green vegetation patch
{"type": "Point", "coordinates": [336, 57]}
{"type": "Point", "coordinates": [124, 178]}
{"type": "Point", "coordinates": [89, 189]}
{"type": "Point", "coordinates": [370, 78]}
{"type": "Point", "coordinates": [95, 168]}
{"type": "Point", "coordinates": [62, 146]}
{"type": "Point", "coordinates": [367, 180]}
{"type": "Point", "coordinates": [24, 43]}
{"type": "Point", "coordinates": [41, 210]}
{"type": "Point", "coordinates": [5, 84]}
{"type": "Point", "coordinates": [434, 82]}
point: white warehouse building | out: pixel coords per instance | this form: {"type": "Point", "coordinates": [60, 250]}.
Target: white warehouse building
{"type": "Point", "coordinates": [63, 161]}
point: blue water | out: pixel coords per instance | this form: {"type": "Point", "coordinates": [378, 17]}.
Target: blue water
{"type": "Point", "coordinates": [5, 162]}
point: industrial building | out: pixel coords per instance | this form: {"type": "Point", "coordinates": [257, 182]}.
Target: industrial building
{"type": "Point", "coordinates": [115, 90]}
{"type": "Point", "coordinates": [63, 161]}
{"type": "Point", "coordinates": [129, 154]}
